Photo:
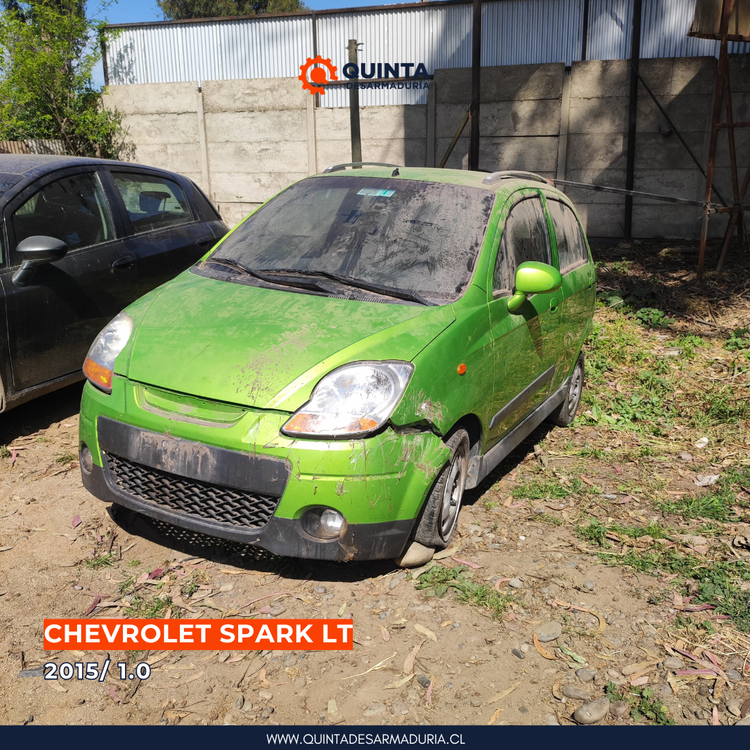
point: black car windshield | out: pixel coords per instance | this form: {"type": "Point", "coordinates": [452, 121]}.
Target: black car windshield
{"type": "Point", "coordinates": [7, 181]}
{"type": "Point", "coordinates": [421, 237]}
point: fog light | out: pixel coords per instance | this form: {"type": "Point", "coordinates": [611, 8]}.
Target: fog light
{"type": "Point", "coordinates": [86, 459]}
{"type": "Point", "coordinates": [324, 523]}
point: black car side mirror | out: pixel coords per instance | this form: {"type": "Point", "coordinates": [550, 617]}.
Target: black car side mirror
{"type": "Point", "coordinates": [36, 251]}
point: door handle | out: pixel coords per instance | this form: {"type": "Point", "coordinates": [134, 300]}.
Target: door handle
{"type": "Point", "coordinates": [553, 304]}
{"type": "Point", "coordinates": [123, 263]}
{"type": "Point", "coordinates": [203, 241]}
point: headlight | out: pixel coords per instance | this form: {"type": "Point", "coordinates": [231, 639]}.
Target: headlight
{"type": "Point", "coordinates": [100, 361]}
{"type": "Point", "coordinates": [351, 401]}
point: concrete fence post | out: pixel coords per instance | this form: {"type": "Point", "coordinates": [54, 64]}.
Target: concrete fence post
{"type": "Point", "coordinates": [203, 145]}
{"type": "Point", "coordinates": [312, 142]}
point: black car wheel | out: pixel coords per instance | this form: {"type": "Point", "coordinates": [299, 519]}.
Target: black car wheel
{"type": "Point", "coordinates": [566, 412]}
{"type": "Point", "coordinates": [439, 519]}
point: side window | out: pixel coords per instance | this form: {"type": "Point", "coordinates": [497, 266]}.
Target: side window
{"type": "Point", "coordinates": [152, 202]}
{"type": "Point", "coordinates": [571, 247]}
{"type": "Point", "coordinates": [525, 237]}
{"type": "Point", "coordinates": [73, 209]}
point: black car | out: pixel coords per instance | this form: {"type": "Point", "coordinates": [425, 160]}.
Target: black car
{"type": "Point", "coordinates": [80, 240]}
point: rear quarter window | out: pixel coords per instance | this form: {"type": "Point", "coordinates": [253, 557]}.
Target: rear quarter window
{"type": "Point", "coordinates": [571, 245]}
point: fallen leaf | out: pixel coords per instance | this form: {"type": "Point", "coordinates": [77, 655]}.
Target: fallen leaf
{"type": "Point", "coordinates": [76, 522]}
{"type": "Point", "coordinates": [643, 680]}
{"type": "Point", "coordinates": [715, 717]}
{"type": "Point", "coordinates": [5, 549]}
{"type": "Point", "coordinates": [342, 609]}
{"type": "Point", "coordinates": [379, 665]}
{"type": "Point", "coordinates": [333, 708]}
{"type": "Point", "coordinates": [409, 661]}
{"type": "Point", "coordinates": [467, 563]}
{"type": "Point", "coordinates": [399, 683]}
{"type": "Point", "coordinates": [503, 694]}
{"type": "Point", "coordinates": [571, 654]}
{"type": "Point", "coordinates": [452, 550]}
{"type": "Point", "coordinates": [429, 691]}
{"type": "Point", "coordinates": [495, 715]}
{"type": "Point", "coordinates": [385, 634]}
{"type": "Point", "coordinates": [425, 631]}
{"type": "Point", "coordinates": [745, 709]}
{"type": "Point", "coordinates": [639, 667]}
{"type": "Point", "coordinates": [546, 654]}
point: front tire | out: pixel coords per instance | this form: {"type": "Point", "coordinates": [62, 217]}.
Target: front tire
{"type": "Point", "coordinates": [566, 412]}
{"type": "Point", "coordinates": [439, 519]}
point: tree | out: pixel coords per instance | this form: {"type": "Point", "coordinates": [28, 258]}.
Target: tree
{"type": "Point", "coordinates": [48, 50]}
{"type": "Point", "coordinates": [174, 10]}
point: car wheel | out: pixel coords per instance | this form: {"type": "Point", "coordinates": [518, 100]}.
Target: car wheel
{"type": "Point", "coordinates": [566, 412]}
{"type": "Point", "coordinates": [439, 519]}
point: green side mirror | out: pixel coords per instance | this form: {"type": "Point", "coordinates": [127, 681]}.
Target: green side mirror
{"type": "Point", "coordinates": [533, 278]}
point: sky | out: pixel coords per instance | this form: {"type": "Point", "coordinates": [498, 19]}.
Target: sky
{"type": "Point", "coordinates": [135, 11]}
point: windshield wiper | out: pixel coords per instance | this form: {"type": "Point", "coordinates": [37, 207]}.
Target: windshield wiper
{"type": "Point", "coordinates": [367, 286]}
{"type": "Point", "coordinates": [233, 264]}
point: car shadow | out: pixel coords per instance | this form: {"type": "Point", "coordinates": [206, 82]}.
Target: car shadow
{"type": "Point", "coordinates": [243, 556]}
{"type": "Point", "coordinates": [40, 413]}
{"type": "Point", "coordinates": [249, 557]}
{"type": "Point", "coordinates": [507, 465]}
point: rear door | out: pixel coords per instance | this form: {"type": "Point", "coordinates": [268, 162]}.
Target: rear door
{"type": "Point", "coordinates": [166, 228]}
{"type": "Point", "coordinates": [52, 321]}
{"type": "Point", "coordinates": [524, 359]}
{"type": "Point", "coordinates": [578, 289]}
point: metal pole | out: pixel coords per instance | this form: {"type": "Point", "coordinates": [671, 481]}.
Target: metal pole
{"type": "Point", "coordinates": [315, 47]}
{"type": "Point", "coordinates": [354, 108]}
{"type": "Point", "coordinates": [718, 99]}
{"type": "Point", "coordinates": [476, 62]}
{"type": "Point", "coordinates": [635, 55]}
{"type": "Point", "coordinates": [585, 31]}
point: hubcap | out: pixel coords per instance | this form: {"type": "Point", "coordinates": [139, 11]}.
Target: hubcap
{"type": "Point", "coordinates": [453, 491]}
{"type": "Point", "coordinates": [574, 392]}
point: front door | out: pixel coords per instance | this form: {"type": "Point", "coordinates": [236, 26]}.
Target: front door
{"type": "Point", "coordinates": [167, 235]}
{"type": "Point", "coordinates": [53, 320]}
{"type": "Point", "coordinates": [522, 352]}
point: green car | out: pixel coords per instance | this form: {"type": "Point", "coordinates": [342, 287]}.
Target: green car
{"type": "Point", "coordinates": [329, 380]}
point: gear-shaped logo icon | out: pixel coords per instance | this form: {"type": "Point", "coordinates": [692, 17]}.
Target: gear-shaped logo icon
{"type": "Point", "coordinates": [317, 75]}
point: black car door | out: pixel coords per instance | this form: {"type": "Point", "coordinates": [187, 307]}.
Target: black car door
{"type": "Point", "coordinates": [168, 232]}
{"type": "Point", "coordinates": [52, 321]}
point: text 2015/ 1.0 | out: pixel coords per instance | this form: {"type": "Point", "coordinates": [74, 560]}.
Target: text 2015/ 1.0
{"type": "Point", "coordinates": [91, 671]}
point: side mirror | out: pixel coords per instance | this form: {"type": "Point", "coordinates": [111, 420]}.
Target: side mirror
{"type": "Point", "coordinates": [36, 251]}
{"type": "Point", "coordinates": [533, 278]}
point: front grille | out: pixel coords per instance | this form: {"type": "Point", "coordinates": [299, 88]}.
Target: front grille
{"type": "Point", "coordinates": [224, 505]}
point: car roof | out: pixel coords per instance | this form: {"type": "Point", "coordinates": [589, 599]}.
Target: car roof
{"type": "Point", "coordinates": [24, 164]}
{"type": "Point", "coordinates": [496, 182]}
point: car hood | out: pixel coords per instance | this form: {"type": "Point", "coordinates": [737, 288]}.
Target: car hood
{"type": "Point", "coordinates": [265, 348]}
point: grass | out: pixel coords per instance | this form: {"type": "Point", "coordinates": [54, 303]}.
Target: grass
{"type": "Point", "coordinates": [66, 458]}
{"type": "Point", "coordinates": [541, 489]}
{"type": "Point", "coordinates": [595, 533]}
{"type": "Point", "coordinates": [4, 452]}
{"type": "Point", "coordinates": [644, 707]}
{"type": "Point", "coordinates": [439, 580]}
{"type": "Point", "coordinates": [100, 561]}
{"type": "Point", "coordinates": [546, 518]}
{"type": "Point", "coordinates": [719, 503]}
{"type": "Point", "coordinates": [148, 607]}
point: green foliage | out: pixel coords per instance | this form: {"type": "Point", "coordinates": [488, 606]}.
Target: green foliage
{"type": "Point", "coordinates": [647, 708]}
{"type": "Point", "coordinates": [738, 340]}
{"type": "Point", "coordinates": [653, 318]}
{"type": "Point", "coordinates": [595, 532]}
{"type": "Point", "coordinates": [718, 504]}
{"type": "Point", "coordinates": [46, 86]}
{"type": "Point", "coordinates": [537, 489]}
{"type": "Point", "coordinates": [437, 581]}
{"type": "Point", "coordinates": [178, 9]}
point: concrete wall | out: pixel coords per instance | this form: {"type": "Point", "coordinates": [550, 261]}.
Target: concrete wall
{"type": "Point", "coordinates": [245, 140]}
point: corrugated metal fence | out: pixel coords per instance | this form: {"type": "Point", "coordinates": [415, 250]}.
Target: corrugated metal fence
{"type": "Point", "coordinates": [514, 32]}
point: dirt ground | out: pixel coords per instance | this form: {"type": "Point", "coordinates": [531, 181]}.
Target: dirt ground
{"type": "Point", "coordinates": [520, 567]}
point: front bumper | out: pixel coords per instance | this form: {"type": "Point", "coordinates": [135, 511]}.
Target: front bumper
{"type": "Point", "coordinates": [210, 480]}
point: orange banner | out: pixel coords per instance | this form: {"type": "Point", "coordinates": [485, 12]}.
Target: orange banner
{"type": "Point", "coordinates": [198, 635]}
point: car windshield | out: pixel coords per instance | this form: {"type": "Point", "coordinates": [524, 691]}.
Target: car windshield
{"type": "Point", "coordinates": [417, 237]}
{"type": "Point", "coordinates": [7, 181]}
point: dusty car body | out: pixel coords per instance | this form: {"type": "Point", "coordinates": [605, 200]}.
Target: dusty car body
{"type": "Point", "coordinates": [329, 380]}
{"type": "Point", "coordinates": [80, 239]}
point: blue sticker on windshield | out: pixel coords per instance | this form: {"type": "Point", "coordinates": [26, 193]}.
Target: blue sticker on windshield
{"type": "Point", "coordinates": [377, 193]}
